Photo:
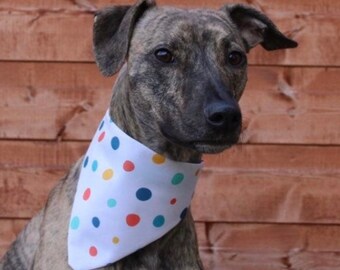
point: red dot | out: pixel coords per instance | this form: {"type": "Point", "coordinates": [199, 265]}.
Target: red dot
{"type": "Point", "coordinates": [132, 219]}
{"type": "Point", "coordinates": [128, 166]}
{"type": "Point", "coordinates": [87, 194]}
{"type": "Point", "coordinates": [101, 136]}
{"type": "Point", "coordinates": [93, 251]}
{"type": "Point", "coordinates": [173, 201]}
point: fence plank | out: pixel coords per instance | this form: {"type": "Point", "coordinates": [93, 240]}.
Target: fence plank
{"type": "Point", "coordinates": [67, 100]}
{"type": "Point", "coordinates": [63, 36]}
{"type": "Point", "coordinates": [246, 184]}
{"type": "Point", "coordinates": [247, 246]}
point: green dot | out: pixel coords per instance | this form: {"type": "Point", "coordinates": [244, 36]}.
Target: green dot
{"type": "Point", "coordinates": [111, 203]}
{"type": "Point", "coordinates": [75, 223]}
{"type": "Point", "coordinates": [177, 179]}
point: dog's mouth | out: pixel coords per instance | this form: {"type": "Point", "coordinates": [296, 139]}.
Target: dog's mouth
{"type": "Point", "coordinates": [204, 146]}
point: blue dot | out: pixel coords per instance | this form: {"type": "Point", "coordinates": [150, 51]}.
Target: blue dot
{"type": "Point", "coordinates": [177, 179]}
{"type": "Point", "coordinates": [94, 165]}
{"type": "Point", "coordinates": [143, 194]}
{"type": "Point", "coordinates": [101, 125]}
{"type": "Point", "coordinates": [111, 203]}
{"type": "Point", "coordinates": [184, 213]}
{"type": "Point", "coordinates": [75, 223]}
{"type": "Point", "coordinates": [158, 221]}
{"type": "Point", "coordinates": [86, 161]}
{"type": "Point", "coordinates": [95, 222]}
{"type": "Point", "coordinates": [115, 143]}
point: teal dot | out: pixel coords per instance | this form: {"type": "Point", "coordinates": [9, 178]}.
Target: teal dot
{"type": "Point", "coordinates": [177, 179]}
{"type": "Point", "coordinates": [111, 203]}
{"type": "Point", "coordinates": [94, 165]}
{"type": "Point", "coordinates": [158, 221]}
{"type": "Point", "coordinates": [75, 223]}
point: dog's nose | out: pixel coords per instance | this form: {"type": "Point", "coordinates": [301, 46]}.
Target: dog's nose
{"type": "Point", "coordinates": [223, 115]}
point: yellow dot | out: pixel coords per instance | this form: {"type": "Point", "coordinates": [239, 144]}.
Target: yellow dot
{"type": "Point", "coordinates": [107, 174]}
{"type": "Point", "coordinates": [115, 240]}
{"type": "Point", "coordinates": [158, 159]}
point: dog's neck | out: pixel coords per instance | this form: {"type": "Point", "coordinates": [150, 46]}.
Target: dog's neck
{"type": "Point", "coordinates": [146, 132]}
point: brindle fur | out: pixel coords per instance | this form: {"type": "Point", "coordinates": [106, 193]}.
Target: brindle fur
{"type": "Point", "coordinates": [161, 105]}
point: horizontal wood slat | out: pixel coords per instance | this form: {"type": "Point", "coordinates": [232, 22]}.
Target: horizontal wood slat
{"type": "Point", "coordinates": [9, 229]}
{"type": "Point", "coordinates": [268, 247]}
{"type": "Point", "coordinates": [68, 37]}
{"type": "Point", "coordinates": [284, 184]}
{"type": "Point", "coordinates": [247, 246]}
{"type": "Point", "coordinates": [303, 6]}
{"type": "Point", "coordinates": [67, 100]}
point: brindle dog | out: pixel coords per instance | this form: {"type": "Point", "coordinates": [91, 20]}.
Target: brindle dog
{"type": "Point", "coordinates": [182, 74]}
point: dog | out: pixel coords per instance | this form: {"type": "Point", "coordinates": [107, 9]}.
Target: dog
{"type": "Point", "coordinates": [182, 73]}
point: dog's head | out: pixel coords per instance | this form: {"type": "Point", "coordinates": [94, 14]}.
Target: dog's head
{"type": "Point", "coordinates": [186, 68]}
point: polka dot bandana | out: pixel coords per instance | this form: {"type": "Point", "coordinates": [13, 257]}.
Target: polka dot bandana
{"type": "Point", "coordinates": [127, 197]}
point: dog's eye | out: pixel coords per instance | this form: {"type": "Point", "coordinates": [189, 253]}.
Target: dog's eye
{"type": "Point", "coordinates": [164, 55]}
{"type": "Point", "coordinates": [236, 58]}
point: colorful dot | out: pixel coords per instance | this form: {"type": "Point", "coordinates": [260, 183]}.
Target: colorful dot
{"type": "Point", "coordinates": [108, 174]}
{"type": "Point", "coordinates": [158, 221]}
{"type": "Point", "coordinates": [128, 166]}
{"type": "Point", "coordinates": [132, 220]}
{"type": "Point", "coordinates": [111, 203]}
{"type": "Point", "coordinates": [184, 213]}
{"type": "Point", "coordinates": [173, 201]}
{"type": "Point", "coordinates": [177, 179]}
{"type": "Point", "coordinates": [93, 251]}
{"type": "Point", "coordinates": [86, 161]}
{"type": "Point", "coordinates": [158, 159]}
{"type": "Point", "coordinates": [101, 136]}
{"type": "Point", "coordinates": [143, 194]}
{"type": "Point", "coordinates": [115, 240]}
{"type": "Point", "coordinates": [87, 194]}
{"type": "Point", "coordinates": [94, 165]}
{"type": "Point", "coordinates": [95, 222]}
{"type": "Point", "coordinates": [75, 222]}
{"type": "Point", "coordinates": [115, 143]}
{"type": "Point", "coordinates": [101, 125]}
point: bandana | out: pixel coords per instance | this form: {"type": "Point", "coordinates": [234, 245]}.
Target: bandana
{"type": "Point", "coordinates": [127, 197]}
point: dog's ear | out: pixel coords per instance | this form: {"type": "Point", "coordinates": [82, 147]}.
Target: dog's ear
{"type": "Point", "coordinates": [256, 28]}
{"type": "Point", "coordinates": [112, 30]}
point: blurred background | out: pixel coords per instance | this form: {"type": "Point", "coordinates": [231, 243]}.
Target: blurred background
{"type": "Point", "coordinates": [270, 203]}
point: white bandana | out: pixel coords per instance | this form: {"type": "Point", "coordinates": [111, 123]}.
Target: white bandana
{"type": "Point", "coordinates": [127, 197]}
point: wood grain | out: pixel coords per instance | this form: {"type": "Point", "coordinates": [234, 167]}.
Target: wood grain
{"type": "Point", "coordinates": [245, 184]}
{"type": "Point", "coordinates": [66, 101]}
{"type": "Point", "coordinates": [64, 41]}
{"type": "Point", "coordinates": [303, 6]}
{"type": "Point", "coordinates": [247, 246]}
{"type": "Point", "coordinates": [267, 204]}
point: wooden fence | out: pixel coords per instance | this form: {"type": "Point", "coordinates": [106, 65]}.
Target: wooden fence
{"type": "Point", "coordinates": [270, 203]}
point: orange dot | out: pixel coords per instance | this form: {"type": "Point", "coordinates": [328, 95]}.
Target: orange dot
{"type": "Point", "coordinates": [132, 220]}
{"type": "Point", "coordinates": [158, 159]}
{"type": "Point", "coordinates": [115, 240]}
{"type": "Point", "coordinates": [93, 251]}
{"type": "Point", "coordinates": [108, 174]}
{"type": "Point", "coordinates": [128, 166]}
